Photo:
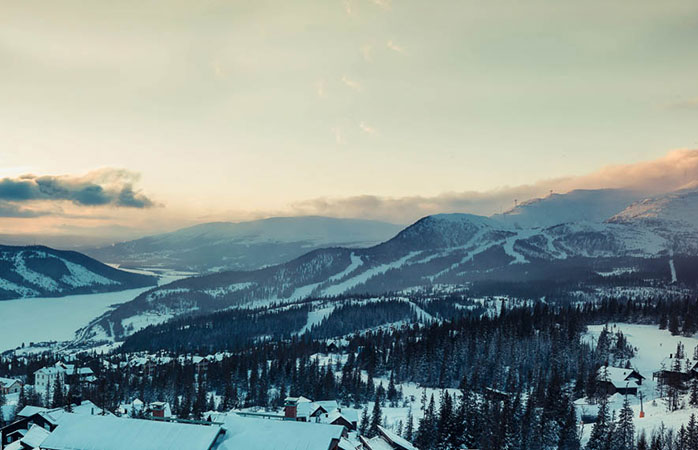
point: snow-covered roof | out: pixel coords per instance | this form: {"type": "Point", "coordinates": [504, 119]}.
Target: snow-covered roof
{"type": "Point", "coordinates": [327, 405]}
{"type": "Point", "coordinates": [29, 411]}
{"type": "Point", "coordinates": [396, 439]}
{"type": "Point", "coordinates": [263, 434]}
{"type": "Point", "coordinates": [617, 376]}
{"type": "Point", "coordinates": [7, 382]}
{"type": "Point", "coordinates": [349, 415]}
{"type": "Point", "coordinates": [35, 436]}
{"type": "Point", "coordinates": [345, 444]}
{"type": "Point", "coordinates": [378, 443]}
{"type": "Point", "coordinates": [114, 433]}
{"type": "Point", "coordinates": [89, 408]}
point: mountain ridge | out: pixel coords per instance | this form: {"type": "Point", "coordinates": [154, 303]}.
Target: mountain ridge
{"type": "Point", "coordinates": [40, 271]}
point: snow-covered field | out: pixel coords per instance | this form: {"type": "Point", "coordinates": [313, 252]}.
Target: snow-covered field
{"type": "Point", "coordinates": [57, 318]}
{"type": "Point", "coordinates": [653, 345]}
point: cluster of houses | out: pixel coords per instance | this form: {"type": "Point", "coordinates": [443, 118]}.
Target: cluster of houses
{"type": "Point", "coordinates": [306, 424]}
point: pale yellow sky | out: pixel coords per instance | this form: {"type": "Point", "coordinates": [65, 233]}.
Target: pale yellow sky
{"type": "Point", "coordinates": [232, 110]}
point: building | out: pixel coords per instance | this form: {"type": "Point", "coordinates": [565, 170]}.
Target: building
{"type": "Point", "coordinates": [10, 386]}
{"type": "Point", "coordinates": [386, 440]}
{"type": "Point", "coordinates": [118, 433]}
{"type": "Point", "coordinates": [66, 374]}
{"type": "Point", "coordinates": [265, 434]}
{"type": "Point", "coordinates": [612, 380]}
{"type": "Point", "coordinates": [677, 370]}
{"type": "Point", "coordinates": [302, 409]}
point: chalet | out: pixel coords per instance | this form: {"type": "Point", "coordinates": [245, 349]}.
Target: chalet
{"type": "Point", "coordinates": [27, 418]}
{"type": "Point", "coordinates": [677, 369]}
{"type": "Point", "coordinates": [10, 386]}
{"type": "Point", "coordinates": [386, 440]}
{"type": "Point", "coordinates": [612, 380]}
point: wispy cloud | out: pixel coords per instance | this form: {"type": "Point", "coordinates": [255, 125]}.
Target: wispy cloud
{"type": "Point", "coordinates": [367, 128]}
{"type": "Point", "coordinates": [395, 47]}
{"type": "Point", "coordinates": [367, 52]}
{"type": "Point", "coordinates": [103, 187]}
{"type": "Point", "coordinates": [385, 4]}
{"type": "Point", "coordinates": [320, 89]}
{"type": "Point", "coordinates": [352, 84]}
{"type": "Point", "coordinates": [338, 136]}
{"type": "Point", "coordinates": [690, 104]}
{"type": "Point", "coordinates": [348, 7]}
{"type": "Point", "coordinates": [218, 71]}
{"type": "Point", "coordinates": [676, 170]}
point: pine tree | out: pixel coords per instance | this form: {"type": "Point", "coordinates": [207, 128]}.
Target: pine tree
{"type": "Point", "coordinates": [693, 399]}
{"type": "Point", "coordinates": [692, 430]}
{"type": "Point", "coordinates": [364, 422]}
{"type": "Point", "coordinates": [376, 418]}
{"type": "Point", "coordinates": [601, 429]}
{"type": "Point", "coordinates": [392, 392]}
{"type": "Point", "coordinates": [409, 427]}
{"type": "Point", "coordinates": [57, 400]}
{"type": "Point", "coordinates": [427, 431]}
{"type": "Point", "coordinates": [569, 437]}
{"type": "Point", "coordinates": [642, 442]}
{"type": "Point", "coordinates": [625, 430]}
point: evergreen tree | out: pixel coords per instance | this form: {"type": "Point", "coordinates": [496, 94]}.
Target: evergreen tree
{"type": "Point", "coordinates": [58, 399]}
{"type": "Point", "coordinates": [364, 422]}
{"type": "Point", "coordinates": [693, 399]}
{"type": "Point", "coordinates": [625, 430]}
{"type": "Point", "coordinates": [392, 392]}
{"type": "Point", "coordinates": [601, 430]}
{"type": "Point", "coordinates": [427, 432]}
{"type": "Point", "coordinates": [376, 418]}
{"type": "Point", "coordinates": [409, 427]}
{"type": "Point", "coordinates": [642, 442]}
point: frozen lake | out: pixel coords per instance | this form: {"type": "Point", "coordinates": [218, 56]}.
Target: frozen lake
{"type": "Point", "coordinates": [57, 318]}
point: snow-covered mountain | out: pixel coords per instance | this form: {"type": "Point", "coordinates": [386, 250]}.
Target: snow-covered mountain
{"type": "Point", "coordinates": [37, 271]}
{"type": "Point", "coordinates": [581, 205]}
{"type": "Point", "coordinates": [217, 246]}
{"type": "Point", "coordinates": [448, 249]}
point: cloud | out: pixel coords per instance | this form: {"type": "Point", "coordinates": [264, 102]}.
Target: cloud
{"type": "Point", "coordinates": [338, 136]}
{"type": "Point", "coordinates": [367, 52]}
{"type": "Point", "coordinates": [396, 48]}
{"type": "Point", "coordinates": [691, 104]}
{"type": "Point", "coordinates": [367, 128]}
{"type": "Point", "coordinates": [676, 170]}
{"type": "Point", "coordinates": [103, 187]}
{"type": "Point", "coordinates": [12, 210]}
{"type": "Point", "coordinates": [385, 4]}
{"type": "Point", "coordinates": [348, 7]}
{"type": "Point", "coordinates": [320, 89]}
{"type": "Point", "coordinates": [355, 85]}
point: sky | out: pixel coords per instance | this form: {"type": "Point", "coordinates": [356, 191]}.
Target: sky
{"type": "Point", "coordinates": [131, 117]}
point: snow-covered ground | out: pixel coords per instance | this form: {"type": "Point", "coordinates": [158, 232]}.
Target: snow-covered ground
{"type": "Point", "coordinates": [57, 318]}
{"type": "Point", "coordinates": [653, 345]}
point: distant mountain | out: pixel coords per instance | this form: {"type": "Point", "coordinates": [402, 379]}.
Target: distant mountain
{"type": "Point", "coordinates": [218, 246]}
{"type": "Point", "coordinates": [582, 205]}
{"type": "Point", "coordinates": [37, 271]}
{"type": "Point", "coordinates": [447, 249]}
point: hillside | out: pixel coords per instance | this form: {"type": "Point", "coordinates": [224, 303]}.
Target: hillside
{"type": "Point", "coordinates": [37, 271]}
{"type": "Point", "coordinates": [217, 246]}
